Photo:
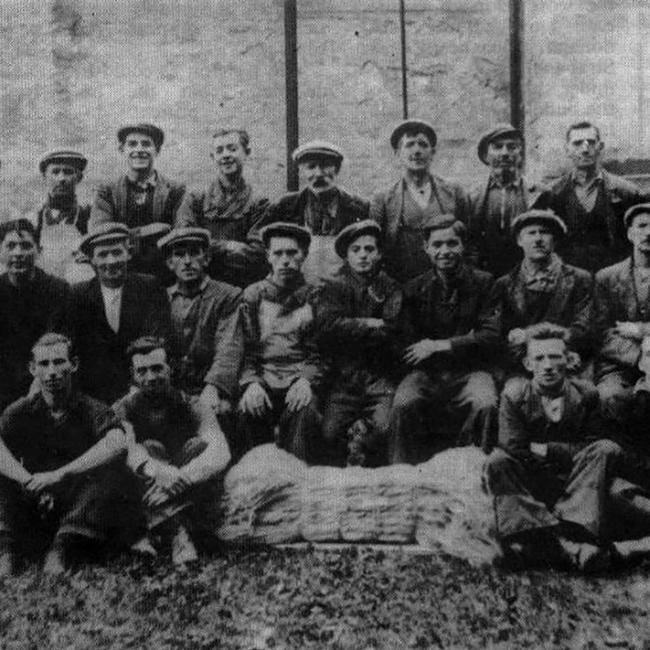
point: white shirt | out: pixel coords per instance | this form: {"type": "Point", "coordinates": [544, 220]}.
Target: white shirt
{"type": "Point", "coordinates": [112, 306]}
{"type": "Point", "coordinates": [421, 195]}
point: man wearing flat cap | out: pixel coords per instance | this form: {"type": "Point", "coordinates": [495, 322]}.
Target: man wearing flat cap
{"type": "Point", "coordinates": [61, 220]}
{"type": "Point", "coordinates": [543, 288]}
{"type": "Point", "coordinates": [496, 203]}
{"type": "Point", "coordinates": [229, 209]}
{"type": "Point", "coordinates": [356, 319]}
{"type": "Point", "coordinates": [142, 199]}
{"type": "Point", "coordinates": [592, 202]}
{"type": "Point", "coordinates": [281, 370]}
{"type": "Point", "coordinates": [417, 196]}
{"type": "Point", "coordinates": [622, 316]}
{"type": "Point", "coordinates": [206, 343]}
{"type": "Point", "coordinates": [111, 310]}
{"type": "Point", "coordinates": [322, 206]}
{"type": "Point", "coordinates": [451, 327]}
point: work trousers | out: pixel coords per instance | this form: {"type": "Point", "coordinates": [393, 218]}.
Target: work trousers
{"type": "Point", "coordinates": [97, 505]}
{"type": "Point", "coordinates": [536, 494]}
{"type": "Point", "coordinates": [294, 431]}
{"type": "Point", "coordinates": [358, 395]}
{"type": "Point", "coordinates": [432, 412]}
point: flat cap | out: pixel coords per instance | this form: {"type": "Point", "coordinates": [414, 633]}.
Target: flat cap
{"type": "Point", "coordinates": [153, 131]}
{"type": "Point", "coordinates": [640, 208]}
{"type": "Point", "coordinates": [188, 234]}
{"type": "Point", "coordinates": [103, 233]}
{"type": "Point", "coordinates": [438, 222]}
{"type": "Point", "coordinates": [66, 156]}
{"type": "Point", "coordinates": [413, 125]}
{"type": "Point", "coordinates": [545, 217]}
{"type": "Point", "coordinates": [317, 148]}
{"type": "Point", "coordinates": [501, 130]}
{"type": "Point", "coordinates": [354, 231]}
{"type": "Point", "coordinates": [286, 229]}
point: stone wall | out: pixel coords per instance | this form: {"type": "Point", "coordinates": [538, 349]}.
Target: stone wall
{"type": "Point", "coordinates": [73, 70]}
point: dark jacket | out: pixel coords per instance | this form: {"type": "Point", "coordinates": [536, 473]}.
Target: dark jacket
{"type": "Point", "coordinates": [346, 302]}
{"type": "Point", "coordinates": [522, 420]}
{"type": "Point", "coordinates": [386, 208]}
{"type": "Point", "coordinates": [473, 325]}
{"type": "Point", "coordinates": [27, 313]}
{"type": "Point", "coordinates": [615, 300]}
{"type": "Point", "coordinates": [489, 247]}
{"type": "Point", "coordinates": [104, 370]}
{"type": "Point", "coordinates": [571, 305]}
{"type": "Point", "coordinates": [110, 203]}
{"type": "Point", "coordinates": [291, 208]}
{"type": "Point", "coordinates": [619, 195]}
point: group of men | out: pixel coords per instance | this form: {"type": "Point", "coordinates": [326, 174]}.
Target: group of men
{"type": "Point", "coordinates": [151, 339]}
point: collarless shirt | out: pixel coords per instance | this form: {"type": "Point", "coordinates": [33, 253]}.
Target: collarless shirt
{"type": "Point", "coordinates": [421, 195]}
{"type": "Point", "coordinates": [112, 306]}
{"type": "Point", "coordinates": [586, 193]}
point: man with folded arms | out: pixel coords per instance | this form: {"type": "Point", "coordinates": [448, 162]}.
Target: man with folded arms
{"type": "Point", "coordinates": [61, 476]}
{"type": "Point", "coordinates": [176, 448]}
{"type": "Point", "coordinates": [551, 473]}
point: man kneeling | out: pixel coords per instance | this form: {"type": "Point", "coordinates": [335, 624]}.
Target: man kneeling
{"type": "Point", "coordinates": [175, 446]}
{"type": "Point", "coordinates": [551, 474]}
{"type": "Point", "coordinates": [57, 480]}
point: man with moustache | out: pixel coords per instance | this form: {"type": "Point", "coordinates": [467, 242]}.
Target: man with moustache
{"type": "Point", "coordinates": [142, 199]}
{"type": "Point", "coordinates": [592, 202]}
{"type": "Point", "coordinates": [176, 450]}
{"type": "Point", "coordinates": [551, 473]}
{"type": "Point", "coordinates": [206, 341]}
{"type": "Point", "coordinates": [357, 320]}
{"type": "Point", "coordinates": [495, 204]}
{"type": "Point", "coordinates": [402, 210]}
{"type": "Point", "coordinates": [61, 477]}
{"type": "Point", "coordinates": [33, 303]}
{"type": "Point", "coordinates": [229, 209]}
{"type": "Point", "coordinates": [111, 310]}
{"type": "Point", "coordinates": [281, 368]}
{"type": "Point", "coordinates": [451, 326]}
{"type": "Point", "coordinates": [542, 288]}
{"type": "Point", "coordinates": [622, 315]}
{"type": "Point", "coordinates": [61, 220]}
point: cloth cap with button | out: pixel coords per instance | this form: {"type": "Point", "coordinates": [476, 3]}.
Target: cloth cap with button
{"type": "Point", "coordinates": [111, 231]}
{"type": "Point", "coordinates": [547, 218]}
{"type": "Point", "coordinates": [64, 156]}
{"type": "Point", "coordinates": [317, 149]}
{"type": "Point", "coordinates": [177, 235]}
{"type": "Point", "coordinates": [411, 126]}
{"type": "Point", "coordinates": [502, 130]}
{"type": "Point", "coordinates": [286, 229]}
{"type": "Point", "coordinates": [355, 230]}
{"type": "Point", "coordinates": [635, 210]}
{"type": "Point", "coordinates": [154, 132]}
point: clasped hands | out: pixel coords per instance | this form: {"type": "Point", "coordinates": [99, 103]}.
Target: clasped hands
{"type": "Point", "coordinates": [164, 482]}
{"type": "Point", "coordinates": [256, 401]}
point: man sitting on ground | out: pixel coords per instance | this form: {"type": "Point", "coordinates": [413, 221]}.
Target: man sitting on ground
{"type": "Point", "coordinates": [175, 447]}
{"type": "Point", "coordinates": [57, 475]}
{"type": "Point", "coordinates": [550, 474]}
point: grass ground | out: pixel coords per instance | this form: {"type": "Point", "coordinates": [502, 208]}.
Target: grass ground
{"type": "Point", "coordinates": [357, 598]}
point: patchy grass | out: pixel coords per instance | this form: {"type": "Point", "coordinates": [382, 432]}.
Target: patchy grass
{"type": "Point", "coordinates": [357, 598]}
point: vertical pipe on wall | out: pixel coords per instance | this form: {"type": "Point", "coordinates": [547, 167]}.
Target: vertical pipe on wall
{"type": "Point", "coordinates": [517, 116]}
{"type": "Point", "coordinates": [291, 88]}
{"type": "Point", "coordinates": [402, 26]}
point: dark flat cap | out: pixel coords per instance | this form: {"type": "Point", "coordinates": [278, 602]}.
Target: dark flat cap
{"type": "Point", "coordinates": [501, 130]}
{"type": "Point", "coordinates": [354, 231]}
{"type": "Point", "coordinates": [286, 229]}
{"type": "Point", "coordinates": [105, 232]}
{"type": "Point", "coordinates": [189, 234]}
{"type": "Point", "coordinates": [640, 208]}
{"type": "Point", "coordinates": [413, 125]}
{"type": "Point", "coordinates": [317, 148]}
{"type": "Point", "coordinates": [545, 217]}
{"type": "Point", "coordinates": [438, 222]}
{"type": "Point", "coordinates": [65, 156]}
{"type": "Point", "coordinates": [154, 132]}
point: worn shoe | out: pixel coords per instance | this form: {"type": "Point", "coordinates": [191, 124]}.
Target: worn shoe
{"type": "Point", "coordinates": [584, 557]}
{"type": "Point", "coordinates": [54, 562]}
{"type": "Point", "coordinates": [183, 549]}
{"type": "Point", "coordinates": [144, 549]}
